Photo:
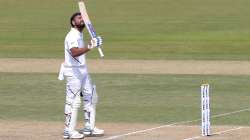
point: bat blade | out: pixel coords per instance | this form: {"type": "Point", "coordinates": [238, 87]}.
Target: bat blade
{"type": "Point", "coordinates": [88, 23]}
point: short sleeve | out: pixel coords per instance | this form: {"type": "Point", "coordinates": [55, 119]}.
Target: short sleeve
{"type": "Point", "coordinates": [72, 42]}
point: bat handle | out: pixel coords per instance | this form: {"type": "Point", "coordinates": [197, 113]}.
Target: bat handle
{"type": "Point", "coordinates": [100, 52]}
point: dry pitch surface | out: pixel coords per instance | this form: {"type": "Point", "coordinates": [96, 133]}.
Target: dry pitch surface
{"type": "Point", "coordinates": [132, 66]}
{"type": "Point", "coordinates": [18, 130]}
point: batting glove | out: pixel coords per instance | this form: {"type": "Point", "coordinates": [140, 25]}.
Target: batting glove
{"type": "Point", "coordinates": [95, 42]}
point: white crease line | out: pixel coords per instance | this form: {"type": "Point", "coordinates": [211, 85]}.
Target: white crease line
{"type": "Point", "coordinates": [229, 113]}
{"type": "Point", "coordinates": [246, 127]}
{"type": "Point", "coordinates": [217, 133]}
{"type": "Point", "coordinates": [229, 130]}
{"type": "Point", "coordinates": [171, 124]}
{"type": "Point", "coordinates": [150, 129]}
{"type": "Point", "coordinates": [139, 131]}
{"type": "Point", "coordinates": [196, 137]}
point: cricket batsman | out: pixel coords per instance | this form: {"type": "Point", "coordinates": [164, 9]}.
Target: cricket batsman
{"type": "Point", "coordinates": [78, 82]}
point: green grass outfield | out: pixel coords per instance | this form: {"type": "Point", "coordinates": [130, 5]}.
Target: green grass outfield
{"type": "Point", "coordinates": [127, 97]}
{"type": "Point", "coordinates": [132, 29]}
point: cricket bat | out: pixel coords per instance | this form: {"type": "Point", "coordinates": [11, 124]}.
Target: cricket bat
{"type": "Point", "coordinates": [88, 23]}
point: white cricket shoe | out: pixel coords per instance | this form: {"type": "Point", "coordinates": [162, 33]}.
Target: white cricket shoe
{"type": "Point", "coordinates": [72, 135]}
{"type": "Point", "coordinates": [96, 132]}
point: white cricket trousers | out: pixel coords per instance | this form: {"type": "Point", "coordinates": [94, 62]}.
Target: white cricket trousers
{"type": "Point", "coordinates": [78, 85]}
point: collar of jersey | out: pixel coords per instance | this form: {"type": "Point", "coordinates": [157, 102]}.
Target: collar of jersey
{"type": "Point", "coordinates": [76, 31]}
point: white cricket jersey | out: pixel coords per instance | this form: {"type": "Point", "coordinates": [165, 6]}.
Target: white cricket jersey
{"type": "Point", "coordinates": [74, 39]}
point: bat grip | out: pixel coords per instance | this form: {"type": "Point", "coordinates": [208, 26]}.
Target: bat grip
{"type": "Point", "coordinates": [100, 52]}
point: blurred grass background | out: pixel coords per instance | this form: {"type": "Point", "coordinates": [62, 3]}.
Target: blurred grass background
{"type": "Point", "coordinates": [127, 97]}
{"type": "Point", "coordinates": [141, 29]}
